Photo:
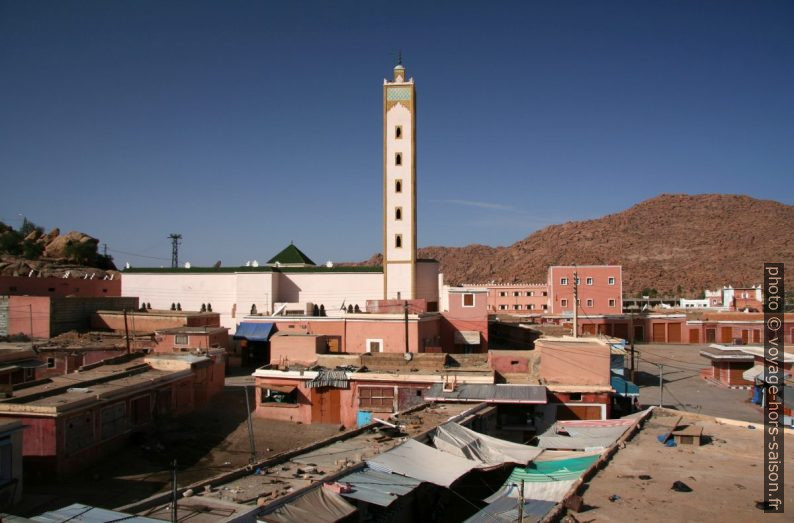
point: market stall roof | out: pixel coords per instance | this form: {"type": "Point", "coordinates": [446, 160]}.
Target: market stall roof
{"type": "Point", "coordinates": [623, 387]}
{"type": "Point", "coordinates": [378, 488]}
{"type": "Point", "coordinates": [319, 505]}
{"type": "Point", "coordinates": [505, 509]}
{"type": "Point", "coordinates": [466, 443]}
{"type": "Point", "coordinates": [422, 462]}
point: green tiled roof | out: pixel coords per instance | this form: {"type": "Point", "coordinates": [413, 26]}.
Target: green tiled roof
{"type": "Point", "coordinates": [290, 255]}
{"type": "Point", "coordinates": [203, 270]}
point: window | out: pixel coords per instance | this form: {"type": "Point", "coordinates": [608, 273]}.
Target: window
{"type": "Point", "coordinates": [398, 132]}
{"type": "Point", "coordinates": [589, 281]}
{"type": "Point", "coordinates": [579, 302]}
{"type": "Point", "coordinates": [30, 374]}
{"type": "Point", "coordinates": [530, 293]}
{"type": "Point", "coordinates": [398, 213]}
{"type": "Point", "coordinates": [374, 345]}
{"type": "Point", "coordinates": [468, 300]}
{"type": "Point", "coordinates": [376, 398]}
{"type": "Point", "coordinates": [280, 394]}
{"type": "Point", "coordinates": [398, 186]}
{"type": "Point", "coordinates": [563, 281]}
{"type": "Point", "coordinates": [398, 241]}
{"type": "Point", "coordinates": [180, 339]}
{"type": "Point", "coordinates": [564, 303]}
{"type": "Point", "coordinates": [611, 280]}
{"type": "Point", "coordinates": [544, 307]}
{"type": "Point", "coordinates": [398, 158]}
{"type": "Point", "coordinates": [51, 289]}
{"type": "Point", "coordinates": [50, 363]}
{"type": "Point", "coordinates": [612, 303]}
{"type": "Point", "coordinates": [575, 396]}
{"type": "Point", "coordinates": [502, 293]}
{"type": "Point", "coordinates": [517, 307]}
{"type": "Point", "coordinates": [503, 307]}
{"type": "Point", "coordinates": [544, 293]}
{"type": "Point", "coordinates": [589, 302]}
{"type": "Point", "coordinates": [531, 306]}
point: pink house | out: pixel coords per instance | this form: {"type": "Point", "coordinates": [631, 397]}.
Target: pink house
{"type": "Point", "coordinates": [465, 325]}
{"type": "Point", "coordinates": [600, 289]}
{"type": "Point", "coordinates": [519, 298]}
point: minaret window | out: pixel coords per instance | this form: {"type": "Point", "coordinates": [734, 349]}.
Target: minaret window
{"type": "Point", "coordinates": [398, 213]}
{"type": "Point", "coordinates": [398, 186]}
{"type": "Point", "coordinates": [398, 159]}
{"type": "Point", "coordinates": [398, 132]}
{"type": "Point", "coordinates": [398, 241]}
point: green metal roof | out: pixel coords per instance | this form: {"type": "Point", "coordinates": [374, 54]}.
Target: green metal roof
{"type": "Point", "coordinates": [291, 255]}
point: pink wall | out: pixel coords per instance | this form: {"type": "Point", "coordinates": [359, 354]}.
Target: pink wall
{"type": "Point", "coordinates": [154, 320]}
{"type": "Point", "coordinates": [24, 311]}
{"type": "Point", "coordinates": [21, 285]}
{"type": "Point", "coordinates": [573, 363]}
{"type": "Point", "coordinates": [528, 298]}
{"type": "Point", "coordinates": [166, 341]}
{"type": "Point", "coordinates": [296, 348]}
{"type": "Point", "coordinates": [600, 292]}
{"type": "Point", "coordinates": [509, 361]}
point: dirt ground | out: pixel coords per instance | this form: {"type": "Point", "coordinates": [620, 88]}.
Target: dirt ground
{"type": "Point", "coordinates": [684, 389]}
{"type": "Point", "coordinates": [725, 476]}
{"type": "Point", "coordinates": [205, 443]}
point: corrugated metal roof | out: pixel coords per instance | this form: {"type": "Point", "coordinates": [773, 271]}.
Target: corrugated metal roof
{"type": "Point", "coordinates": [489, 393]}
{"type": "Point", "coordinates": [87, 513]}
{"type": "Point", "coordinates": [328, 378]}
{"type": "Point", "coordinates": [378, 488]}
{"type": "Point", "coordinates": [505, 509]}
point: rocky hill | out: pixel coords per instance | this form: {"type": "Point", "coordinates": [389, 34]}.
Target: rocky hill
{"type": "Point", "coordinates": [31, 252]}
{"type": "Point", "coordinates": [692, 241]}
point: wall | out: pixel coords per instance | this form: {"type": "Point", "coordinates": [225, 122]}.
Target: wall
{"type": "Point", "coordinates": [574, 363]}
{"type": "Point", "coordinates": [529, 298]}
{"type": "Point", "coordinates": [166, 341]}
{"type": "Point", "coordinates": [25, 312]}
{"type": "Point", "coordinates": [22, 285]}
{"type": "Point", "coordinates": [600, 291]}
{"type": "Point", "coordinates": [330, 289]}
{"type": "Point", "coordinates": [427, 283]}
{"type": "Point", "coordinates": [510, 361]}
{"type": "Point", "coordinates": [153, 320]}
{"type": "Point", "coordinates": [298, 348]}
{"type": "Point", "coordinates": [66, 361]}
{"type": "Point", "coordinates": [73, 313]}
{"type": "Point", "coordinates": [462, 318]}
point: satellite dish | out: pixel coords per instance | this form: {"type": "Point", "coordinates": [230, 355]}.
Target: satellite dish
{"type": "Point", "coordinates": [277, 264]}
{"type": "Point", "coordinates": [187, 265]}
{"type": "Point", "coordinates": [127, 265]}
{"type": "Point", "coordinates": [254, 263]}
{"type": "Point", "coordinates": [329, 264]}
{"type": "Point", "coordinates": [408, 356]}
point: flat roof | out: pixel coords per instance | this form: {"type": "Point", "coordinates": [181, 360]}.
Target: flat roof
{"type": "Point", "coordinates": [61, 394]}
{"type": "Point", "coordinates": [724, 474]}
{"type": "Point", "coordinates": [193, 330]}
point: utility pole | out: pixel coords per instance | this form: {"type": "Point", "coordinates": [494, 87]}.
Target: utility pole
{"type": "Point", "coordinates": [575, 304]}
{"type": "Point", "coordinates": [631, 342]}
{"type": "Point", "coordinates": [406, 327]}
{"type": "Point", "coordinates": [174, 496]}
{"type": "Point", "coordinates": [251, 443]}
{"type": "Point", "coordinates": [521, 502]}
{"type": "Point", "coordinates": [175, 241]}
{"type": "Point", "coordinates": [661, 383]}
{"type": "Point", "coordinates": [105, 250]}
{"type": "Point", "coordinates": [126, 331]}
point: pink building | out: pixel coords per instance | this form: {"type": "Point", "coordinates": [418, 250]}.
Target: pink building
{"type": "Point", "coordinates": [464, 327]}
{"type": "Point", "coordinates": [187, 339]}
{"type": "Point", "coordinates": [519, 298]}
{"type": "Point", "coordinates": [600, 289]}
{"type": "Point", "coordinates": [22, 285]}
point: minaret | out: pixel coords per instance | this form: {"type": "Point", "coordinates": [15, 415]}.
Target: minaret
{"type": "Point", "coordinates": [399, 186]}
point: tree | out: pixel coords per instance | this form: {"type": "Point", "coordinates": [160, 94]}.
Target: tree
{"type": "Point", "coordinates": [81, 252]}
{"type": "Point", "coordinates": [28, 227]}
{"type": "Point", "coordinates": [32, 250]}
{"type": "Point", "coordinates": [10, 242]}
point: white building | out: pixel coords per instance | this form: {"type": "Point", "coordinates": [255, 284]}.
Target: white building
{"type": "Point", "coordinates": [290, 282]}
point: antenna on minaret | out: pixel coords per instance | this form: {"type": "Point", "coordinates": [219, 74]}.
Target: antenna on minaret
{"type": "Point", "coordinates": [400, 57]}
{"type": "Point", "coordinates": [175, 241]}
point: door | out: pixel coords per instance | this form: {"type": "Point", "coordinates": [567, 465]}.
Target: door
{"type": "Point", "coordinates": [694, 336]}
{"type": "Point", "coordinates": [727, 334]}
{"type": "Point", "coordinates": [745, 336]}
{"type": "Point", "coordinates": [639, 333]}
{"type": "Point", "coordinates": [711, 335]}
{"type": "Point", "coordinates": [658, 333]}
{"type": "Point", "coordinates": [621, 330]}
{"type": "Point", "coordinates": [756, 336]}
{"type": "Point", "coordinates": [325, 405]}
{"type": "Point", "coordinates": [588, 328]}
{"type": "Point", "coordinates": [673, 333]}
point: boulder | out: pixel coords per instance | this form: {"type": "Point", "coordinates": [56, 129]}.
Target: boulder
{"type": "Point", "coordinates": [57, 247]}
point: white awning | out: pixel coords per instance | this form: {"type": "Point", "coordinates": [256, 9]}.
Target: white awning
{"type": "Point", "coordinates": [467, 337]}
{"type": "Point", "coordinates": [753, 372]}
{"type": "Point", "coordinates": [466, 443]}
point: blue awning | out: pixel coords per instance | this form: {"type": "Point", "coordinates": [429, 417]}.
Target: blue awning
{"type": "Point", "coordinates": [623, 387]}
{"type": "Point", "coordinates": [253, 331]}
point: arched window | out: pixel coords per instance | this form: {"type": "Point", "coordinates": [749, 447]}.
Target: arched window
{"type": "Point", "coordinates": [398, 240]}
{"type": "Point", "coordinates": [398, 132]}
{"type": "Point", "coordinates": [398, 186]}
{"type": "Point", "coordinates": [398, 213]}
{"type": "Point", "coordinates": [398, 159]}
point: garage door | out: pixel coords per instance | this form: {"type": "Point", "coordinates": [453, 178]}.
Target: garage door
{"type": "Point", "coordinates": [674, 333]}
{"type": "Point", "coordinates": [694, 336]}
{"type": "Point", "coordinates": [727, 334]}
{"type": "Point", "coordinates": [571, 412]}
{"type": "Point", "coordinates": [621, 330]}
{"type": "Point", "coordinates": [658, 333]}
{"type": "Point", "coordinates": [588, 328]}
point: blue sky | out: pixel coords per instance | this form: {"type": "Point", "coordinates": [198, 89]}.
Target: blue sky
{"type": "Point", "coordinates": [245, 125]}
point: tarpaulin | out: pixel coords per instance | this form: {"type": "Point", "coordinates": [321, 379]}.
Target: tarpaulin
{"type": "Point", "coordinates": [422, 462]}
{"type": "Point", "coordinates": [319, 505]}
{"type": "Point", "coordinates": [378, 488]}
{"type": "Point", "coordinates": [466, 443]}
